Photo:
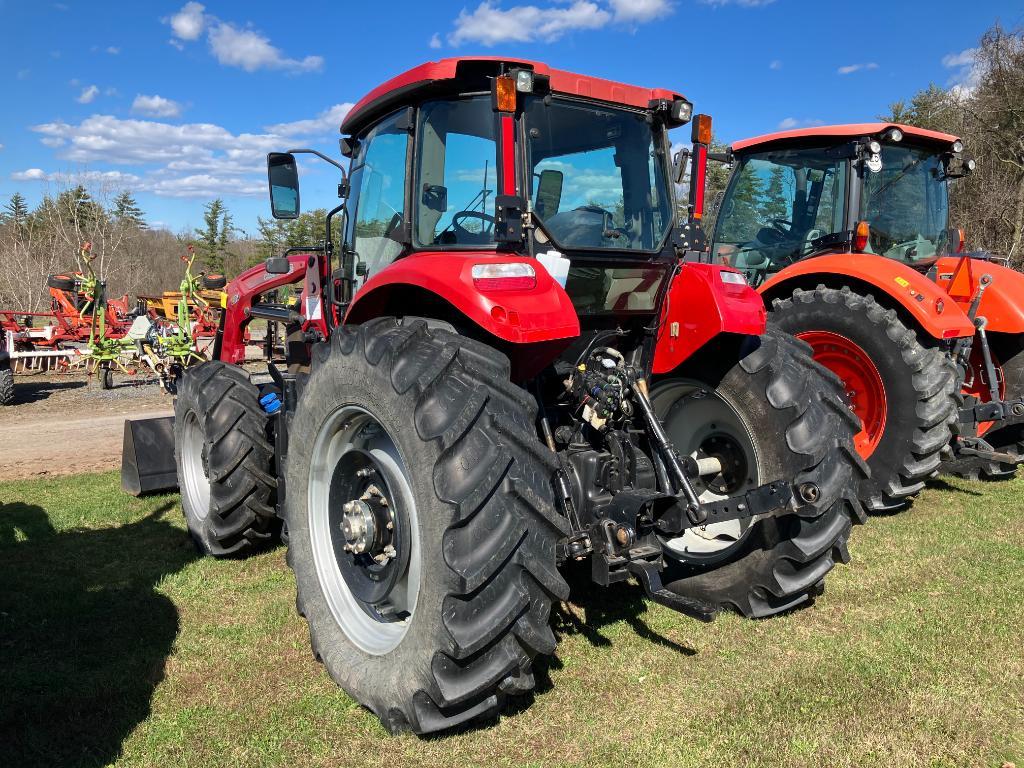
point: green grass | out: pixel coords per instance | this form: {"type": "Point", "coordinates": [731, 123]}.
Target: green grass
{"type": "Point", "coordinates": [119, 645]}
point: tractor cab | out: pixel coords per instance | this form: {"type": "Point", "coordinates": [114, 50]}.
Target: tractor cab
{"type": "Point", "coordinates": [877, 189]}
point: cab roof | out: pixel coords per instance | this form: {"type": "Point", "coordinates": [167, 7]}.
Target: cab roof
{"type": "Point", "coordinates": [851, 130]}
{"type": "Point", "coordinates": [470, 72]}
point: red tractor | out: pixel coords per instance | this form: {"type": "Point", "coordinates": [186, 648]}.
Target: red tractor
{"type": "Point", "coordinates": [516, 359]}
{"type": "Point", "coordinates": [844, 231]}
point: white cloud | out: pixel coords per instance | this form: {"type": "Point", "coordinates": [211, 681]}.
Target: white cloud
{"type": "Point", "coordinates": [187, 160]}
{"type": "Point", "coordinates": [740, 3]}
{"type": "Point", "coordinates": [233, 45]}
{"type": "Point", "coordinates": [251, 51]}
{"type": "Point", "coordinates": [113, 50]}
{"type": "Point", "coordinates": [775, 65]}
{"type": "Point", "coordinates": [1, 147]}
{"type": "Point", "coordinates": [155, 106]}
{"type": "Point", "coordinates": [490, 25]}
{"type": "Point", "coordinates": [435, 41]}
{"type": "Point", "coordinates": [789, 123]}
{"type": "Point", "coordinates": [851, 68]}
{"type": "Point", "coordinates": [328, 121]}
{"type": "Point", "coordinates": [639, 11]}
{"type": "Point", "coordinates": [189, 22]}
{"type": "Point", "coordinates": [32, 174]}
{"type": "Point", "coordinates": [968, 71]}
{"type": "Point", "coordinates": [88, 94]}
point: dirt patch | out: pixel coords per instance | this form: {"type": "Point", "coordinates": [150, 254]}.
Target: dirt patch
{"type": "Point", "coordinates": [63, 425]}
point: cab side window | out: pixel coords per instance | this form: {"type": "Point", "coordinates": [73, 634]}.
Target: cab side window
{"type": "Point", "coordinates": [379, 176]}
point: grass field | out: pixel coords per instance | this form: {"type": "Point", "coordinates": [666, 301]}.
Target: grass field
{"type": "Point", "coordinates": [120, 645]}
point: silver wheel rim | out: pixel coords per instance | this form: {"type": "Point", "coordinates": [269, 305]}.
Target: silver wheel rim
{"type": "Point", "coordinates": [694, 415]}
{"type": "Point", "coordinates": [196, 484]}
{"type": "Point", "coordinates": [351, 428]}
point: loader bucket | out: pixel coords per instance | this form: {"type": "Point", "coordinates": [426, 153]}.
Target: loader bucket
{"type": "Point", "coordinates": [147, 456]}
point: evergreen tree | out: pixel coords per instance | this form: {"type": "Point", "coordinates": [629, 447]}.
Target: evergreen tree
{"type": "Point", "coordinates": [126, 211]}
{"type": "Point", "coordinates": [213, 238]}
{"type": "Point", "coordinates": [16, 211]}
{"type": "Point", "coordinates": [777, 204]}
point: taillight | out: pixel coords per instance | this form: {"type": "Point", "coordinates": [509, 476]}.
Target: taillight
{"type": "Point", "coordinates": [860, 236]}
{"type": "Point", "coordinates": [517, 276]}
{"type": "Point", "coordinates": [733, 278]}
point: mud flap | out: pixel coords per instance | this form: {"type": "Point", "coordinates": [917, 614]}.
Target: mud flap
{"type": "Point", "coordinates": [147, 456]}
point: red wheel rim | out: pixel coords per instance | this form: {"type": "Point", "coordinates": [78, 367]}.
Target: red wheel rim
{"type": "Point", "coordinates": [861, 381]}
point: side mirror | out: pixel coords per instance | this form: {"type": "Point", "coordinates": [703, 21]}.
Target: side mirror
{"type": "Point", "coordinates": [348, 146]}
{"type": "Point", "coordinates": [277, 265]}
{"type": "Point", "coordinates": [679, 165]}
{"type": "Point", "coordinates": [549, 192]}
{"type": "Point", "coordinates": [435, 197]}
{"type": "Point", "coordinates": [283, 175]}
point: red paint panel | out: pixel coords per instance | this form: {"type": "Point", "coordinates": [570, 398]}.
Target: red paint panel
{"type": "Point", "coordinates": [508, 155]}
{"type": "Point", "coordinates": [541, 313]}
{"type": "Point", "coordinates": [700, 306]}
{"type": "Point", "coordinates": [1002, 304]}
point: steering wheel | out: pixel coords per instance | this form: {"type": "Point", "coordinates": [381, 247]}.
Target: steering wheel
{"type": "Point", "coordinates": [464, 235]}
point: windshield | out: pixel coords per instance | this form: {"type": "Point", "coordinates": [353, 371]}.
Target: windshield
{"type": "Point", "coordinates": [777, 204]}
{"type": "Point", "coordinates": [906, 205]}
{"type": "Point", "coordinates": [598, 176]}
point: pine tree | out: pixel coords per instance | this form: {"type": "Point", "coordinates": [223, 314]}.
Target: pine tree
{"type": "Point", "coordinates": [777, 204]}
{"type": "Point", "coordinates": [126, 211]}
{"type": "Point", "coordinates": [213, 239]}
{"type": "Point", "coordinates": [16, 211]}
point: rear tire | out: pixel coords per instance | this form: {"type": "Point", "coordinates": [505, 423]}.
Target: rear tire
{"type": "Point", "coordinates": [105, 377]}
{"type": "Point", "coordinates": [479, 512]}
{"type": "Point", "coordinates": [919, 383]}
{"type": "Point", "coordinates": [225, 461]}
{"type": "Point", "coordinates": [61, 282]}
{"type": "Point", "coordinates": [6, 384]}
{"type": "Point", "coordinates": [784, 417]}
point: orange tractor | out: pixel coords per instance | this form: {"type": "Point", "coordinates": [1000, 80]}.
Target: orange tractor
{"type": "Point", "coordinates": [844, 231]}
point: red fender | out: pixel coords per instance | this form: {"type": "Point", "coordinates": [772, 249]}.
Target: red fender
{"type": "Point", "coordinates": [701, 305]}
{"type": "Point", "coordinates": [1002, 303]}
{"type": "Point", "coordinates": [918, 295]}
{"type": "Point", "coordinates": [541, 313]}
{"type": "Point", "coordinates": [239, 295]}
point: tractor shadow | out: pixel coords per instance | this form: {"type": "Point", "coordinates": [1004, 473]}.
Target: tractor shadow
{"type": "Point", "coordinates": [938, 484]}
{"type": "Point", "coordinates": [84, 635]}
{"type": "Point", "coordinates": [29, 391]}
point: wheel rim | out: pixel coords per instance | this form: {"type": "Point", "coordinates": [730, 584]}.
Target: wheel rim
{"type": "Point", "coordinates": [193, 466]}
{"type": "Point", "coordinates": [702, 424]}
{"type": "Point", "coordinates": [861, 381]}
{"type": "Point", "coordinates": [356, 462]}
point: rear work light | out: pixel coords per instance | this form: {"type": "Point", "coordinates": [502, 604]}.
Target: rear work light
{"type": "Point", "coordinates": [860, 236]}
{"type": "Point", "coordinates": [517, 276]}
{"type": "Point", "coordinates": [732, 278]}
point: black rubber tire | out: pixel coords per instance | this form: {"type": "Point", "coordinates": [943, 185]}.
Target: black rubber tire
{"type": "Point", "coordinates": [214, 282]}
{"type": "Point", "coordinates": [239, 460]}
{"type": "Point", "coordinates": [61, 282]}
{"type": "Point", "coordinates": [1008, 435]}
{"type": "Point", "coordinates": [802, 433]}
{"type": "Point", "coordinates": [488, 528]}
{"type": "Point", "coordinates": [919, 380]}
{"type": "Point", "coordinates": [6, 384]}
{"type": "Point", "coordinates": [105, 377]}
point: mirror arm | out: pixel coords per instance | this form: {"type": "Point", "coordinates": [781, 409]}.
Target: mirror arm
{"type": "Point", "coordinates": [323, 157]}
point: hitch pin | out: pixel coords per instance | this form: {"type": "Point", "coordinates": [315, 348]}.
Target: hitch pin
{"type": "Point", "coordinates": [694, 511]}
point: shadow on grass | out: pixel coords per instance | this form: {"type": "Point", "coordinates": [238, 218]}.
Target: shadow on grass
{"type": "Point", "coordinates": [939, 484]}
{"type": "Point", "coordinates": [28, 391]}
{"type": "Point", "coordinates": [84, 635]}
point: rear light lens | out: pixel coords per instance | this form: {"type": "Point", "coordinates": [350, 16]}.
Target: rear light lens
{"type": "Point", "coordinates": [860, 236]}
{"type": "Point", "coordinates": [950, 333]}
{"type": "Point", "coordinates": [505, 93]}
{"type": "Point", "coordinates": [701, 132]}
{"type": "Point", "coordinates": [732, 278]}
{"type": "Point", "coordinates": [517, 276]}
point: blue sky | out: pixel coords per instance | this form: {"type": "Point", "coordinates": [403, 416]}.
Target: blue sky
{"type": "Point", "coordinates": [180, 102]}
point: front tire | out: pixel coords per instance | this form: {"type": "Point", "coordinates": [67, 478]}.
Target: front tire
{"type": "Point", "coordinates": [6, 384]}
{"type": "Point", "coordinates": [471, 484]}
{"type": "Point", "coordinates": [902, 388]}
{"type": "Point", "coordinates": [225, 461]}
{"type": "Point", "coordinates": [772, 415]}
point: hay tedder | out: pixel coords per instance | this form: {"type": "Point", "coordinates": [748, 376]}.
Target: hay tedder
{"type": "Point", "coordinates": [844, 230]}
{"type": "Point", "coordinates": [517, 358]}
